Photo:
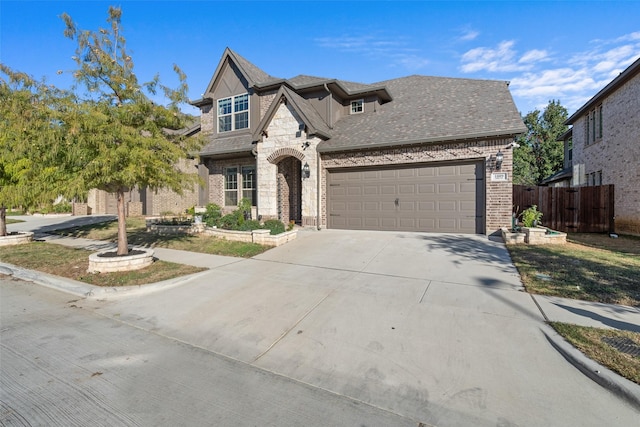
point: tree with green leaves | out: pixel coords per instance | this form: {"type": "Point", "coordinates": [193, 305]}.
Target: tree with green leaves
{"type": "Point", "coordinates": [32, 154]}
{"type": "Point", "coordinates": [540, 154]}
{"type": "Point", "coordinates": [117, 135]}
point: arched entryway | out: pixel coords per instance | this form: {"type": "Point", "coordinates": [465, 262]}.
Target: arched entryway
{"type": "Point", "coordinates": [289, 183]}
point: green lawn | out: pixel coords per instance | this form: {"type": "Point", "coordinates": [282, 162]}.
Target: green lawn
{"type": "Point", "coordinates": [73, 263]}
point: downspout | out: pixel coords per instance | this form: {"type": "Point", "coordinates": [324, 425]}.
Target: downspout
{"type": "Point", "coordinates": [318, 216]}
{"type": "Point", "coordinates": [318, 174]}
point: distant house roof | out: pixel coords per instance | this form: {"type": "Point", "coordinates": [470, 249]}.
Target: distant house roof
{"type": "Point", "coordinates": [562, 175]}
{"type": "Point", "coordinates": [429, 109]}
{"type": "Point", "coordinates": [622, 78]}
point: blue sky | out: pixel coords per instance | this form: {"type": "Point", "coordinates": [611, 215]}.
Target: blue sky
{"type": "Point", "coordinates": [564, 50]}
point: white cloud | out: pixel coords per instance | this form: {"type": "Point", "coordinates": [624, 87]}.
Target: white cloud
{"type": "Point", "coordinates": [502, 58]}
{"type": "Point", "coordinates": [534, 55]}
{"type": "Point", "coordinates": [469, 35]}
{"type": "Point", "coordinates": [537, 77]}
{"type": "Point", "coordinates": [396, 50]}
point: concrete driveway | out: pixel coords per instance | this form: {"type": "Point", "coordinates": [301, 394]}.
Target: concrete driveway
{"type": "Point", "coordinates": [434, 327]}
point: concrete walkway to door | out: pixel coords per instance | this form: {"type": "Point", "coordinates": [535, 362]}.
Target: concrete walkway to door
{"type": "Point", "coordinates": [433, 327]}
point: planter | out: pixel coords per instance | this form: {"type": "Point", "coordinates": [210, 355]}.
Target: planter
{"type": "Point", "coordinates": [107, 261]}
{"type": "Point", "coordinates": [262, 237]}
{"type": "Point", "coordinates": [175, 229]}
{"type": "Point", "coordinates": [16, 238]}
{"type": "Point", "coordinates": [534, 236]}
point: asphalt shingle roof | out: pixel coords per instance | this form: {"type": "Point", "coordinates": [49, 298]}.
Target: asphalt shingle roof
{"type": "Point", "coordinates": [228, 145]}
{"type": "Point", "coordinates": [430, 109]}
{"type": "Point", "coordinates": [253, 73]}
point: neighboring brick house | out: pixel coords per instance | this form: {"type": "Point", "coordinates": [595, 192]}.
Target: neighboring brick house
{"type": "Point", "coordinates": [606, 145]}
{"type": "Point", "coordinates": [415, 154]}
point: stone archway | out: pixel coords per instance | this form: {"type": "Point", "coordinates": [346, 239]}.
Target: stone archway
{"type": "Point", "coordinates": [289, 190]}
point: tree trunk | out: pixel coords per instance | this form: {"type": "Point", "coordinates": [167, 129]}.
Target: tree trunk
{"type": "Point", "coordinates": [123, 246]}
{"type": "Point", "coordinates": [3, 221]}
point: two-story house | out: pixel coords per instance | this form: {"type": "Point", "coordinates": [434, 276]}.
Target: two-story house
{"type": "Point", "coordinates": [415, 153]}
{"type": "Point", "coordinates": [606, 145]}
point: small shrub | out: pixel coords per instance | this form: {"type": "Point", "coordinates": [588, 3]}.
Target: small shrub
{"type": "Point", "coordinates": [212, 215]}
{"type": "Point", "coordinates": [229, 221]}
{"type": "Point", "coordinates": [530, 216]}
{"type": "Point", "coordinates": [276, 226]}
{"type": "Point", "coordinates": [191, 211]}
{"type": "Point", "coordinates": [250, 225]}
{"type": "Point", "coordinates": [292, 224]}
{"type": "Point", "coordinates": [62, 207]}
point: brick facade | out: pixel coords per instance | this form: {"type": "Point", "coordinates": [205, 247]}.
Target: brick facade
{"type": "Point", "coordinates": [615, 157]}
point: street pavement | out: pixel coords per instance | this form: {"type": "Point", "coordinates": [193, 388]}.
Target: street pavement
{"type": "Point", "coordinates": [434, 328]}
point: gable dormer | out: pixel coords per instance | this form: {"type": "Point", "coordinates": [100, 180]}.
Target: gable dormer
{"type": "Point", "coordinates": [230, 105]}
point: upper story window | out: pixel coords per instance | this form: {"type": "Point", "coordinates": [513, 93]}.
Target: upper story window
{"type": "Point", "coordinates": [233, 113]}
{"type": "Point", "coordinates": [593, 125]}
{"type": "Point", "coordinates": [357, 106]}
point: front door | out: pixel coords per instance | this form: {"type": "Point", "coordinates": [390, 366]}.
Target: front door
{"type": "Point", "coordinates": [289, 190]}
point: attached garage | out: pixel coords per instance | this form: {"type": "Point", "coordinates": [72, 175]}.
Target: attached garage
{"type": "Point", "coordinates": [446, 197]}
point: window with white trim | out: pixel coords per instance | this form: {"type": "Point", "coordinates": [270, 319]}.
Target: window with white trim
{"type": "Point", "coordinates": [357, 106]}
{"type": "Point", "coordinates": [240, 183]}
{"type": "Point", "coordinates": [233, 113]}
{"type": "Point", "coordinates": [249, 188]}
{"type": "Point", "coordinates": [231, 186]}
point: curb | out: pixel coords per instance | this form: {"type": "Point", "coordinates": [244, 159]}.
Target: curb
{"type": "Point", "coordinates": [608, 379]}
{"type": "Point", "coordinates": [93, 292]}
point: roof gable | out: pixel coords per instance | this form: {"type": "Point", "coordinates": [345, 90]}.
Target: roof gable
{"type": "Point", "coordinates": [253, 75]}
{"type": "Point", "coordinates": [310, 117]}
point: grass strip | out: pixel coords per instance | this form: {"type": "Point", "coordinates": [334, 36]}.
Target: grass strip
{"type": "Point", "coordinates": [592, 342]}
{"type": "Point", "coordinates": [72, 263]}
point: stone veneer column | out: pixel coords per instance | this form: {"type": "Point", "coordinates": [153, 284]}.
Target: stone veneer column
{"type": "Point", "coordinates": [285, 139]}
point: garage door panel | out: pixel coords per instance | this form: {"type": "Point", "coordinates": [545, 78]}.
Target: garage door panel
{"type": "Point", "coordinates": [443, 198]}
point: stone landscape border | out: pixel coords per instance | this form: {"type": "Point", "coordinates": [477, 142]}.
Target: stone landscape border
{"type": "Point", "coordinates": [533, 236]}
{"type": "Point", "coordinates": [99, 263]}
{"type": "Point", "coordinates": [17, 238]}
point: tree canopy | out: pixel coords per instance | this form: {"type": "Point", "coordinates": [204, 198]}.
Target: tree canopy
{"type": "Point", "coordinates": [540, 154]}
{"type": "Point", "coordinates": [106, 133]}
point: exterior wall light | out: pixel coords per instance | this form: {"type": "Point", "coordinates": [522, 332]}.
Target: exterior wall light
{"type": "Point", "coordinates": [499, 159]}
{"type": "Point", "coordinates": [306, 171]}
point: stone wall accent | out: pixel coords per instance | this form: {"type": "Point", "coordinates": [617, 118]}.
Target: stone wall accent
{"type": "Point", "coordinates": [266, 99]}
{"type": "Point", "coordinates": [80, 209]}
{"type": "Point", "coordinates": [498, 194]}
{"type": "Point", "coordinates": [207, 119]}
{"type": "Point", "coordinates": [286, 140]}
{"type": "Point", "coordinates": [616, 154]}
{"type": "Point", "coordinates": [134, 209]}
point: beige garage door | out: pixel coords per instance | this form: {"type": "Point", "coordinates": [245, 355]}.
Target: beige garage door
{"type": "Point", "coordinates": [442, 198]}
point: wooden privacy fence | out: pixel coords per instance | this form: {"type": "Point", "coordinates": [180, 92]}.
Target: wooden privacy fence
{"type": "Point", "coordinates": [569, 209]}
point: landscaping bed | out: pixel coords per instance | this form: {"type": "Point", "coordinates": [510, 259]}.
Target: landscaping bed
{"type": "Point", "coordinates": [137, 235]}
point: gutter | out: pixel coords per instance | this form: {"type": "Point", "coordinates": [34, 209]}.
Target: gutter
{"type": "Point", "coordinates": [436, 139]}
